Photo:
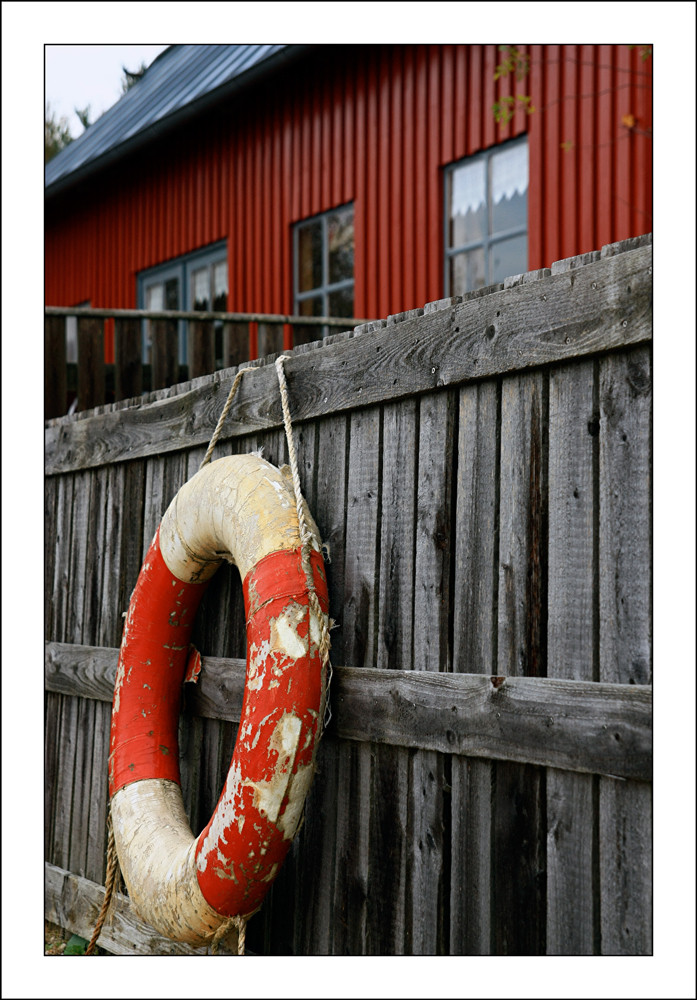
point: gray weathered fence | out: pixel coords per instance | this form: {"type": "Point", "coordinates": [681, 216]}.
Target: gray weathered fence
{"type": "Point", "coordinates": [481, 473]}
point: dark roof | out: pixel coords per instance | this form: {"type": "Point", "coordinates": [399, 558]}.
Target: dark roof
{"type": "Point", "coordinates": [182, 81]}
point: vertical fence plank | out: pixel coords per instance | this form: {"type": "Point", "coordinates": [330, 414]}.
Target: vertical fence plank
{"type": "Point", "coordinates": [55, 371]}
{"type": "Point", "coordinates": [201, 348]}
{"type": "Point", "coordinates": [571, 651]}
{"type": "Point", "coordinates": [165, 353]}
{"type": "Point", "coordinates": [425, 894]}
{"type": "Point", "coordinates": [81, 581]}
{"type": "Point", "coordinates": [625, 639]}
{"type": "Point", "coordinates": [90, 362]}
{"type": "Point", "coordinates": [354, 764]}
{"type": "Point", "coordinates": [388, 822]}
{"type": "Point", "coordinates": [67, 725]}
{"type": "Point", "coordinates": [128, 365]}
{"type": "Point", "coordinates": [329, 512]}
{"type": "Point", "coordinates": [235, 344]}
{"type": "Point", "coordinates": [518, 848]}
{"type": "Point", "coordinates": [474, 652]}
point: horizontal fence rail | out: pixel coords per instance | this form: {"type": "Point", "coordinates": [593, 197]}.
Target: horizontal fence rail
{"type": "Point", "coordinates": [572, 725]}
{"type": "Point", "coordinates": [480, 472]}
{"type": "Point", "coordinates": [596, 308]}
{"type": "Point", "coordinates": [214, 340]}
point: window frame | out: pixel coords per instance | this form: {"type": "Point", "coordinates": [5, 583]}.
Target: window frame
{"type": "Point", "coordinates": [327, 288]}
{"type": "Point", "coordinates": [489, 239]}
{"type": "Point", "coordinates": [183, 269]}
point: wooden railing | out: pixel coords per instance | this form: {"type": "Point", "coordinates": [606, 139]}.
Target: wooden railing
{"type": "Point", "coordinates": [78, 378]}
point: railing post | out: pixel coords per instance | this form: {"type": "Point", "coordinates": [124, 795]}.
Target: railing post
{"type": "Point", "coordinates": [90, 362]}
{"type": "Point", "coordinates": [201, 348]}
{"type": "Point", "coordinates": [270, 339]}
{"type": "Point", "coordinates": [165, 353]}
{"type": "Point", "coordinates": [55, 373]}
{"type": "Point", "coordinates": [128, 376]}
{"type": "Point", "coordinates": [235, 344]}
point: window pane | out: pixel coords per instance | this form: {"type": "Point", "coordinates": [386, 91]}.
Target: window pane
{"type": "Point", "coordinates": [172, 293]}
{"type": "Point", "coordinates": [310, 257]}
{"type": "Point", "coordinates": [467, 203]}
{"type": "Point", "coordinates": [155, 297]}
{"type": "Point", "coordinates": [341, 302]}
{"type": "Point", "coordinates": [340, 236]}
{"type": "Point", "coordinates": [509, 188]}
{"type": "Point", "coordinates": [509, 257]}
{"type": "Point", "coordinates": [201, 288]}
{"type": "Point", "coordinates": [220, 287]}
{"type": "Point", "coordinates": [467, 272]}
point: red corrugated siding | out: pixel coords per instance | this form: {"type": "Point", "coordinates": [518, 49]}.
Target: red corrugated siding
{"type": "Point", "coordinates": [373, 125]}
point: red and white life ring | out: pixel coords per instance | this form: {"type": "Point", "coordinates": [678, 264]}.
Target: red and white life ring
{"type": "Point", "coordinates": [241, 509]}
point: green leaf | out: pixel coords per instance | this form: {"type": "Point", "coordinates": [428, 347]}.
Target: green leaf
{"type": "Point", "coordinates": [76, 946]}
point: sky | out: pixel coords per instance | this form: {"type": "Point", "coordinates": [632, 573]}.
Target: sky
{"type": "Point", "coordinates": [82, 75]}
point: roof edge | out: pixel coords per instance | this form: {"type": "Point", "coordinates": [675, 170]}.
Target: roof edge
{"type": "Point", "coordinates": [157, 130]}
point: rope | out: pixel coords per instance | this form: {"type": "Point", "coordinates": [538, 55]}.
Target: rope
{"type": "Point", "coordinates": [234, 922]}
{"type": "Point", "coordinates": [305, 533]}
{"type": "Point", "coordinates": [223, 416]}
{"type": "Point", "coordinates": [112, 873]}
{"type": "Point", "coordinates": [113, 868]}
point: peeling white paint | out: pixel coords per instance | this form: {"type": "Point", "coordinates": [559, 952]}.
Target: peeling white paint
{"type": "Point", "coordinates": [284, 632]}
{"type": "Point", "coordinates": [269, 795]}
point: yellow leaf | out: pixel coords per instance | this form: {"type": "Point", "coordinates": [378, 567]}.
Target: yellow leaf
{"type": "Point", "coordinates": [629, 121]}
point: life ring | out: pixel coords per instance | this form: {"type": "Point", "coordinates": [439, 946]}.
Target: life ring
{"type": "Point", "coordinates": [243, 510]}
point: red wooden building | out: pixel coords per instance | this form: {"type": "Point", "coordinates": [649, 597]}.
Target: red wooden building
{"type": "Point", "coordinates": [347, 180]}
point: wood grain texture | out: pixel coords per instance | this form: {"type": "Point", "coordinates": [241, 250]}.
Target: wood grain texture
{"type": "Point", "coordinates": [601, 306]}
{"type": "Point", "coordinates": [572, 651]}
{"type": "Point", "coordinates": [74, 902]}
{"type": "Point", "coordinates": [518, 831]}
{"type": "Point", "coordinates": [351, 887]}
{"type": "Point", "coordinates": [625, 639]}
{"type": "Point", "coordinates": [589, 727]}
{"type": "Point", "coordinates": [474, 604]}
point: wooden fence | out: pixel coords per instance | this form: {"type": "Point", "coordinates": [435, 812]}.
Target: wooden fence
{"type": "Point", "coordinates": [481, 473]}
{"type": "Point", "coordinates": [77, 378]}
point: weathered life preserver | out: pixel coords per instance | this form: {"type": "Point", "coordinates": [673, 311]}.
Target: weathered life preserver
{"type": "Point", "coordinates": [243, 510]}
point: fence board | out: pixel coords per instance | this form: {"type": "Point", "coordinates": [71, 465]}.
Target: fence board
{"type": "Point", "coordinates": [90, 368]}
{"type": "Point", "coordinates": [488, 526]}
{"type": "Point", "coordinates": [519, 791]}
{"type": "Point", "coordinates": [128, 358]}
{"type": "Point", "coordinates": [474, 651]}
{"type": "Point", "coordinates": [164, 353]}
{"type": "Point", "coordinates": [55, 370]}
{"type": "Point", "coordinates": [74, 903]}
{"type": "Point", "coordinates": [360, 609]}
{"type": "Point", "coordinates": [603, 306]}
{"type": "Point", "coordinates": [572, 651]}
{"type": "Point", "coordinates": [427, 779]}
{"type": "Point", "coordinates": [390, 783]}
{"type": "Point", "coordinates": [581, 726]}
{"type": "Point", "coordinates": [625, 639]}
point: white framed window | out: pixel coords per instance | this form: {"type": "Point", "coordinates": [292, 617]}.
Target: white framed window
{"type": "Point", "coordinates": [323, 265]}
{"type": "Point", "coordinates": [486, 217]}
{"type": "Point", "coordinates": [195, 282]}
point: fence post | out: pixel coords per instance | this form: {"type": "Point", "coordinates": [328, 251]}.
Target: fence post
{"type": "Point", "coordinates": [55, 374]}
{"type": "Point", "coordinates": [270, 339]}
{"type": "Point", "coordinates": [165, 353]}
{"type": "Point", "coordinates": [90, 366]}
{"type": "Point", "coordinates": [128, 376]}
{"type": "Point", "coordinates": [201, 348]}
{"type": "Point", "coordinates": [235, 344]}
